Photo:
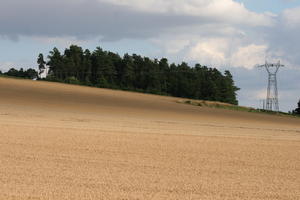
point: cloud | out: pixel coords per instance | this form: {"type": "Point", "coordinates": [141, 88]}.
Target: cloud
{"type": "Point", "coordinates": [249, 56]}
{"type": "Point", "coordinates": [213, 32]}
{"type": "Point", "coordinates": [218, 10]}
{"type": "Point", "coordinates": [61, 41]}
{"type": "Point", "coordinates": [232, 48]}
{"type": "Point", "coordinates": [209, 50]}
{"type": "Point", "coordinates": [115, 20]}
{"type": "Point", "coordinates": [292, 17]}
{"type": "Point", "coordinates": [283, 38]}
{"type": "Point", "coordinates": [219, 45]}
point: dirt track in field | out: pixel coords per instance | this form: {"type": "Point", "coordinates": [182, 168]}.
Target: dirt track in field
{"type": "Point", "coordinates": [69, 142]}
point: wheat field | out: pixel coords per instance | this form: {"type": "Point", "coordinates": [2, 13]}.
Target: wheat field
{"type": "Point", "coordinates": [61, 142]}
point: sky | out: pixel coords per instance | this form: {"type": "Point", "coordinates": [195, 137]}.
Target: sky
{"type": "Point", "coordinates": [233, 35]}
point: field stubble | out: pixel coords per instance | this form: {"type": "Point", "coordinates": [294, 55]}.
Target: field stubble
{"type": "Point", "coordinates": [68, 142]}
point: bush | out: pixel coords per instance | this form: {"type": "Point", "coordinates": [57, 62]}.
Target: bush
{"type": "Point", "coordinates": [72, 80]}
{"type": "Point", "coordinates": [297, 110]}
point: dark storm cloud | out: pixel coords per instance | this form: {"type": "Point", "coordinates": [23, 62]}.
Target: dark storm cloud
{"type": "Point", "coordinates": [83, 19]}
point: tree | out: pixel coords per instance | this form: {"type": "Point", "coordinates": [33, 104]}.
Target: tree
{"type": "Point", "coordinates": [13, 72]}
{"type": "Point", "coordinates": [297, 110]}
{"type": "Point", "coordinates": [56, 65]}
{"type": "Point", "coordinates": [29, 73]}
{"type": "Point", "coordinates": [103, 69]}
{"type": "Point", "coordinates": [229, 89]}
{"type": "Point", "coordinates": [125, 72]}
{"type": "Point", "coordinates": [87, 68]}
{"type": "Point", "coordinates": [41, 63]}
{"type": "Point", "coordinates": [163, 76]}
{"type": "Point", "coordinates": [136, 73]}
{"type": "Point", "coordinates": [73, 62]}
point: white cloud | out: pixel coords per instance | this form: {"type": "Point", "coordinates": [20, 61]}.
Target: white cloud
{"type": "Point", "coordinates": [205, 31]}
{"type": "Point", "coordinates": [219, 10]}
{"type": "Point", "coordinates": [210, 51]}
{"type": "Point", "coordinates": [249, 56]}
{"type": "Point", "coordinates": [283, 38]}
{"type": "Point", "coordinates": [291, 17]}
{"type": "Point", "coordinates": [211, 32]}
{"type": "Point", "coordinates": [172, 46]}
{"type": "Point", "coordinates": [218, 50]}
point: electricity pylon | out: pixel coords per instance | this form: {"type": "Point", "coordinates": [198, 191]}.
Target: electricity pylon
{"type": "Point", "coordinates": [272, 103]}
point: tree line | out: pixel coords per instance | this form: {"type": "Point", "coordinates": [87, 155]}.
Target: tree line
{"type": "Point", "coordinates": [136, 73]}
{"type": "Point", "coordinates": [28, 74]}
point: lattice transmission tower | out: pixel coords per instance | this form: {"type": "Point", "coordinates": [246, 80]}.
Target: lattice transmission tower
{"type": "Point", "coordinates": [272, 103]}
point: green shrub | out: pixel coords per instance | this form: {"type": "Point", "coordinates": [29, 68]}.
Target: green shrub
{"type": "Point", "coordinates": [72, 80]}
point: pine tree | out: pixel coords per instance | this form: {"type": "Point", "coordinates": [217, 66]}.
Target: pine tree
{"type": "Point", "coordinates": [41, 63]}
{"type": "Point", "coordinates": [56, 65]}
{"type": "Point", "coordinates": [87, 68]}
{"type": "Point", "coordinates": [134, 72]}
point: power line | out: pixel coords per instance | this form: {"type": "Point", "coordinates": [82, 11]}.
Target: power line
{"type": "Point", "coordinates": [272, 102]}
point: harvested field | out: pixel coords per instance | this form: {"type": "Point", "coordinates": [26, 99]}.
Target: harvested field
{"type": "Point", "coordinates": [69, 142]}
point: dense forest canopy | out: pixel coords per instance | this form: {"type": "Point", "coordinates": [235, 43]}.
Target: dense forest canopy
{"type": "Point", "coordinates": [135, 73]}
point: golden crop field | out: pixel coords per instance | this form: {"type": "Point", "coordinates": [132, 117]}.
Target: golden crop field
{"type": "Point", "coordinates": [70, 142]}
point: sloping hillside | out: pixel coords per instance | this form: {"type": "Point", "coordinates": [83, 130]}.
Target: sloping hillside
{"type": "Point", "coordinates": [63, 141]}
